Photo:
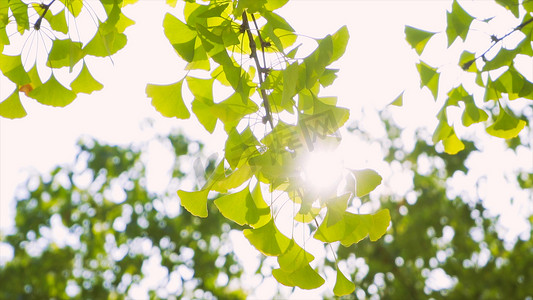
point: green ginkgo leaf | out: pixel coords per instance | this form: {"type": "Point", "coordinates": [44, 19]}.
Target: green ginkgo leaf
{"type": "Point", "coordinates": [467, 61]}
{"type": "Point", "coordinates": [168, 100]}
{"type": "Point", "coordinates": [417, 38]}
{"type": "Point", "coordinates": [398, 101]}
{"type": "Point", "coordinates": [181, 36]}
{"type": "Point", "coordinates": [295, 257]}
{"type": "Point", "coordinates": [105, 42]}
{"type": "Point", "coordinates": [11, 67]}
{"type": "Point", "coordinates": [366, 181]}
{"type": "Point", "coordinates": [352, 228]}
{"type": "Point", "coordinates": [458, 21]}
{"type": "Point", "coordinates": [58, 21]}
{"type": "Point", "coordinates": [506, 126]}
{"type": "Point", "coordinates": [64, 53]}
{"type": "Point", "coordinates": [472, 114]}
{"type": "Point", "coordinates": [343, 286]}
{"type": "Point", "coordinates": [305, 278]}
{"type": "Point", "coordinates": [429, 77]}
{"type": "Point", "coordinates": [268, 239]}
{"type": "Point", "coordinates": [244, 209]}
{"type": "Point", "coordinates": [380, 221]}
{"type": "Point", "coordinates": [85, 82]}
{"type": "Point", "coordinates": [452, 144]}
{"type": "Point", "coordinates": [194, 202]}
{"type": "Point", "coordinates": [53, 93]}
{"type": "Point", "coordinates": [12, 108]}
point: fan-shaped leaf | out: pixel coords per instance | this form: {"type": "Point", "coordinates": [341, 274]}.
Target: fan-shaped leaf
{"type": "Point", "coordinates": [343, 286]}
{"type": "Point", "coordinates": [195, 202]}
{"type": "Point", "coordinates": [268, 239]}
{"type": "Point", "coordinates": [167, 100]}
{"type": "Point", "coordinates": [12, 108]}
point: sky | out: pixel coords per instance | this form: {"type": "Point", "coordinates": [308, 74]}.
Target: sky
{"type": "Point", "coordinates": [377, 66]}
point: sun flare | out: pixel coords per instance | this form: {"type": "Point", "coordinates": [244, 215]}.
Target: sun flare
{"type": "Point", "coordinates": [322, 170]}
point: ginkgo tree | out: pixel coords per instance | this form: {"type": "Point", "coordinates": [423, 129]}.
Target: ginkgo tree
{"type": "Point", "coordinates": [274, 115]}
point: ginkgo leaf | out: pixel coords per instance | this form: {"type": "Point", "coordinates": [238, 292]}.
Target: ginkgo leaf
{"type": "Point", "coordinates": [242, 208]}
{"type": "Point", "coordinates": [443, 129]}
{"type": "Point", "coordinates": [168, 100]}
{"type": "Point", "coordinates": [472, 114]}
{"type": "Point", "coordinates": [380, 223]}
{"type": "Point", "coordinates": [11, 107]}
{"type": "Point", "coordinates": [305, 278]}
{"type": "Point", "coordinates": [307, 216]}
{"type": "Point", "coordinates": [339, 42]}
{"type": "Point", "coordinates": [452, 144]}
{"type": "Point", "coordinates": [343, 286]}
{"type": "Point", "coordinates": [268, 239]}
{"type": "Point", "coordinates": [85, 82]}
{"type": "Point", "coordinates": [105, 42]}
{"type": "Point", "coordinates": [428, 77]}
{"type": "Point", "coordinates": [352, 228]}
{"type": "Point", "coordinates": [294, 257]}
{"type": "Point", "coordinates": [271, 5]}
{"type": "Point", "coordinates": [58, 21]}
{"type": "Point", "coordinates": [53, 93]}
{"type": "Point", "coordinates": [240, 147]}
{"type": "Point", "coordinates": [336, 208]}
{"type": "Point", "coordinates": [458, 21]}
{"type": "Point", "coordinates": [467, 61]}
{"type": "Point", "coordinates": [417, 38]}
{"type": "Point", "coordinates": [194, 202]}
{"type": "Point", "coordinates": [366, 181]}
{"type": "Point", "coordinates": [506, 126]}
{"type": "Point", "coordinates": [398, 101]}
{"type": "Point", "coordinates": [181, 36]}
{"type": "Point", "coordinates": [11, 67]}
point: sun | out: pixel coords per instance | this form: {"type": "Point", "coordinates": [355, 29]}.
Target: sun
{"type": "Point", "coordinates": [322, 170]}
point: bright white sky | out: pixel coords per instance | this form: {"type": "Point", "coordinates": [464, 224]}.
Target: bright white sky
{"type": "Point", "coordinates": [377, 66]}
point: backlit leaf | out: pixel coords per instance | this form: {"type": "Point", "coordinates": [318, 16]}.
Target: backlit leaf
{"type": "Point", "coordinates": [295, 257]}
{"type": "Point", "coordinates": [305, 278]}
{"type": "Point", "coordinates": [398, 101]}
{"type": "Point", "coordinates": [366, 181]}
{"type": "Point", "coordinates": [11, 67]}
{"type": "Point", "coordinates": [85, 82]}
{"type": "Point", "coordinates": [53, 93]}
{"type": "Point", "coordinates": [428, 77]}
{"type": "Point", "coordinates": [417, 38]}
{"type": "Point", "coordinates": [12, 108]}
{"type": "Point", "coordinates": [64, 53]}
{"type": "Point", "coordinates": [458, 23]}
{"type": "Point", "coordinates": [343, 286]}
{"type": "Point", "coordinates": [168, 100]}
{"type": "Point", "coordinates": [268, 239]}
{"type": "Point", "coordinates": [506, 126]}
{"type": "Point", "coordinates": [194, 202]}
{"type": "Point", "coordinates": [452, 144]}
{"type": "Point", "coordinates": [242, 208]}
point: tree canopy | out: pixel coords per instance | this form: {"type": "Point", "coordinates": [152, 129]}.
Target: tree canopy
{"type": "Point", "coordinates": [274, 116]}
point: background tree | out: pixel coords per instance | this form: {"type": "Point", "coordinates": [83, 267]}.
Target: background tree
{"type": "Point", "coordinates": [91, 230]}
{"type": "Point", "coordinates": [272, 110]}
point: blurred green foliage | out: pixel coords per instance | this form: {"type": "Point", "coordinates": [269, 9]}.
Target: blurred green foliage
{"type": "Point", "coordinates": [90, 230]}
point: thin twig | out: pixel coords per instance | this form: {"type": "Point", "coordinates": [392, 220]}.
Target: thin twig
{"type": "Point", "coordinates": [253, 48]}
{"type": "Point", "coordinates": [467, 64]}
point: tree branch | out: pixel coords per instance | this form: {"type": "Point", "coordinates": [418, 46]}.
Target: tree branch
{"type": "Point", "coordinates": [253, 48]}
{"type": "Point", "coordinates": [495, 40]}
